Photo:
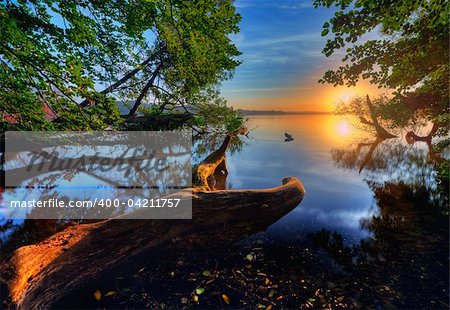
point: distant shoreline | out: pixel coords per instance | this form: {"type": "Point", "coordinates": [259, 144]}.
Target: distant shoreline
{"type": "Point", "coordinates": [274, 112]}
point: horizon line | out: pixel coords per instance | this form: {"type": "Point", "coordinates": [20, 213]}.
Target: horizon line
{"type": "Point", "coordinates": [285, 111]}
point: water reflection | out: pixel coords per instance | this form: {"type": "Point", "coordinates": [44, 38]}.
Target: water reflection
{"type": "Point", "coordinates": [372, 230]}
{"type": "Point", "coordinates": [336, 198]}
{"type": "Point", "coordinates": [377, 207]}
{"type": "Point", "coordinates": [393, 160]}
{"type": "Point", "coordinates": [88, 167]}
{"type": "Point", "coordinates": [71, 167]}
{"type": "Point", "coordinates": [405, 264]}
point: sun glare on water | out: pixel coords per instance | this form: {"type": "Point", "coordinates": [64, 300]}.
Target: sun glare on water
{"type": "Point", "coordinates": [338, 130]}
{"type": "Point", "coordinates": [342, 130]}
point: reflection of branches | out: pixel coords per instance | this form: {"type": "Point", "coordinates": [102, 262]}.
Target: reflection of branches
{"type": "Point", "coordinates": [407, 231]}
{"type": "Point", "coordinates": [353, 159]}
{"type": "Point", "coordinates": [391, 156]}
{"type": "Point", "coordinates": [368, 156]}
{"type": "Point", "coordinates": [206, 144]}
{"type": "Point", "coordinates": [412, 138]}
{"type": "Point", "coordinates": [122, 153]}
{"type": "Point", "coordinates": [148, 181]}
{"type": "Point", "coordinates": [394, 161]}
{"type": "Point", "coordinates": [408, 224]}
{"type": "Point", "coordinates": [79, 163]}
{"type": "Point", "coordinates": [101, 178]}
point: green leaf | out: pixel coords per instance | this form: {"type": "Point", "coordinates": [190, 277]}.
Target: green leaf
{"type": "Point", "coordinates": [206, 273]}
{"type": "Point", "coordinates": [199, 290]}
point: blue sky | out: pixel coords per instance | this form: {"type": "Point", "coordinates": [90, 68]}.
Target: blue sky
{"type": "Point", "coordinates": [282, 60]}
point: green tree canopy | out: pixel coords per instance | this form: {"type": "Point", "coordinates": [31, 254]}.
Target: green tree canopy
{"type": "Point", "coordinates": [411, 56]}
{"type": "Point", "coordinates": [77, 58]}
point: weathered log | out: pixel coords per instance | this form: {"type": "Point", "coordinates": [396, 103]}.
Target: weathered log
{"type": "Point", "coordinates": [43, 275]}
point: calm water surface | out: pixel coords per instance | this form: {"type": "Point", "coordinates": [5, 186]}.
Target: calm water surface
{"type": "Point", "coordinates": [337, 199]}
{"type": "Point", "coordinates": [371, 231]}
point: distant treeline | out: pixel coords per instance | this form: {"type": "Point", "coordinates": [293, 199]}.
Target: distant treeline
{"type": "Point", "coordinates": [274, 112]}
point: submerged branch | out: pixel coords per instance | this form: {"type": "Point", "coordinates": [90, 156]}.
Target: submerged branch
{"type": "Point", "coordinates": [211, 173]}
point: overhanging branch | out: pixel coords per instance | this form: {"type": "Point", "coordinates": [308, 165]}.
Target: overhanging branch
{"type": "Point", "coordinates": [144, 92]}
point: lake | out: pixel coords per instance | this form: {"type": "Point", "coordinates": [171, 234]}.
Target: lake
{"type": "Point", "coordinates": [371, 231]}
{"type": "Point", "coordinates": [337, 199]}
{"type": "Point", "coordinates": [372, 228]}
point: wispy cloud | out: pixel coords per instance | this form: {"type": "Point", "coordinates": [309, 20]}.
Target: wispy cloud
{"type": "Point", "coordinates": [266, 89]}
{"type": "Point", "coordinates": [281, 45]}
{"type": "Point", "coordinates": [295, 6]}
{"type": "Point", "coordinates": [304, 37]}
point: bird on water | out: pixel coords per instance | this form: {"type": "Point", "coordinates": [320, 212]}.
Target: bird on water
{"type": "Point", "coordinates": [288, 137]}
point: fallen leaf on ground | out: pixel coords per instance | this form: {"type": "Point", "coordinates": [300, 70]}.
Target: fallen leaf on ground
{"type": "Point", "coordinates": [97, 295]}
{"type": "Point", "coordinates": [199, 290]}
{"type": "Point", "coordinates": [110, 293]}
{"type": "Point", "coordinates": [226, 299]}
{"type": "Point", "coordinates": [206, 273]}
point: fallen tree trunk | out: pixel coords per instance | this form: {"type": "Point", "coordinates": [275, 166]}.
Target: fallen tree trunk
{"type": "Point", "coordinates": [42, 275]}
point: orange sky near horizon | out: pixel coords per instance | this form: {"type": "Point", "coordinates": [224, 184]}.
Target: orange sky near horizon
{"type": "Point", "coordinates": [308, 96]}
{"type": "Point", "coordinates": [282, 59]}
